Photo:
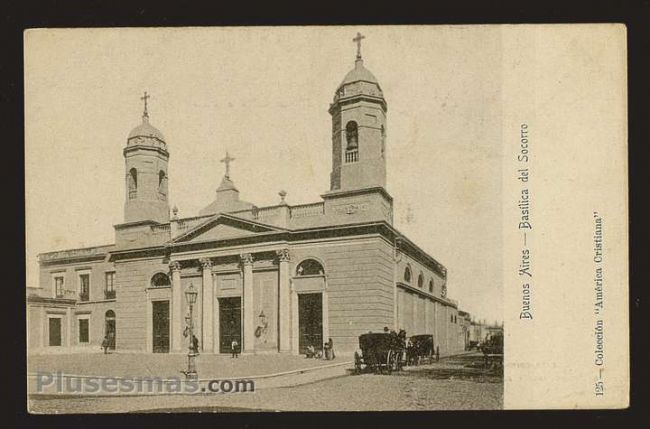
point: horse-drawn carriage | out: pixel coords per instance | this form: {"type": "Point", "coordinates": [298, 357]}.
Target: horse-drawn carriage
{"type": "Point", "coordinates": [492, 350]}
{"type": "Point", "coordinates": [420, 350]}
{"type": "Point", "coordinates": [383, 351]}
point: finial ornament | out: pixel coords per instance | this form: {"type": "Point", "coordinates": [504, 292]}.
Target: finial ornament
{"type": "Point", "coordinates": [227, 160]}
{"type": "Point", "coordinates": [358, 40]}
{"type": "Point", "coordinates": [144, 98]}
{"type": "Point", "coordinates": [283, 195]}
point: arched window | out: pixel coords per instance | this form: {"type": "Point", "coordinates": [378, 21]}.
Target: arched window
{"type": "Point", "coordinates": [352, 138]}
{"type": "Point", "coordinates": [407, 274]}
{"type": "Point", "coordinates": [431, 286]}
{"type": "Point", "coordinates": [383, 141]}
{"type": "Point", "coordinates": [162, 184]}
{"type": "Point", "coordinates": [160, 280]}
{"type": "Point", "coordinates": [133, 183]}
{"type": "Point", "coordinates": [420, 281]}
{"type": "Point", "coordinates": [310, 267]}
{"type": "Point", "coordinates": [352, 135]}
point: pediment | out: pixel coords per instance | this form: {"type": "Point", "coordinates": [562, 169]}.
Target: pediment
{"type": "Point", "coordinates": [224, 227]}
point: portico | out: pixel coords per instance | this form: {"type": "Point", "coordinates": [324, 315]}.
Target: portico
{"type": "Point", "coordinates": [257, 281]}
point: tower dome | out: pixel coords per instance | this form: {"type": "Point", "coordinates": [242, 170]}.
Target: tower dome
{"type": "Point", "coordinates": [359, 81]}
{"type": "Point", "coordinates": [146, 130]}
{"type": "Point", "coordinates": [146, 134]}
{"type": "Point", "coordinates": [359, 74]}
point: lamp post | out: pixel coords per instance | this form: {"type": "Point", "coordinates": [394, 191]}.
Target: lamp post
{"type": "Point", "coordinates": [190, 295]}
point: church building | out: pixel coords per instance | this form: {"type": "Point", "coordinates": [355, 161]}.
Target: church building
{"type": "Point", "coordinates": [276, 279]}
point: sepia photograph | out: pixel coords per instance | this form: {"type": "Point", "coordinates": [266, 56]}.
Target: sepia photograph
{"type": "Point", "coordinates": [277, 219]}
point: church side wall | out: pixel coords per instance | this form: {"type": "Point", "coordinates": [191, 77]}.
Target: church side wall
{"type": "Point", "coordinates": [423, 312]}
{"type": "Point", "coordinates": [359, 287]}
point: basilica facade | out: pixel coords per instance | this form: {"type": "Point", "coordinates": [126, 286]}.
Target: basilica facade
{"type": "Point", "coordinates": [275, 279]}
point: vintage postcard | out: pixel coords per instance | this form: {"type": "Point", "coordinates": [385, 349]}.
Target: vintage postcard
{"type": "Point", "coordinates": [326, 218]}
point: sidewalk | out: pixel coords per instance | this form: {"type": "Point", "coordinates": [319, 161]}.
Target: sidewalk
{"type": "Point", "coordinates": [169, 365]}
{"type": "Point", "coordinates": [279, 370]}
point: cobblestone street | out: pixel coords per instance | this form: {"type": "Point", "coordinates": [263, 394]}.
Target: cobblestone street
{"type": "Point", "coordinates": [452, 384]}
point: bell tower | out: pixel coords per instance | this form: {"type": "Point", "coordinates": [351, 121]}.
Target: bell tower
{"type": "Point", "coordinates": [358, 178]}
{"type": "Point", "coordinates": [358, 130]}
{"type": "Point", "coordinates": [146, 181]}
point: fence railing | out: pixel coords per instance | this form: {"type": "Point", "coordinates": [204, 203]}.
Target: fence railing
{"type": "Point", "coordinates": [352, 156]}
{"type": "Point", "coordinates": [305, 210]}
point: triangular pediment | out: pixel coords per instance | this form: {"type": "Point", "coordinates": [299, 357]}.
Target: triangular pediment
{"type": "Point", "coordinates": [224, 227]}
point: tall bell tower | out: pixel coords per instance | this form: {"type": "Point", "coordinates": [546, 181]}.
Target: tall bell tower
{"type": "Point", "coordinates": [358, 178]}
{"type": "Point", "coordinates": [146, 181]}
{"type": "Point", "coordinates": [358, 130]}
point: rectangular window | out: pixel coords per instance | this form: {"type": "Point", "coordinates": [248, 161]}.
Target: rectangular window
{"type": "Point", "coordinates": [54, 331]}
{"type": "Point", "coordinates": [84, 336]}
{"type": "Point", "coordinates": [84, 287]}
{"type": "Point", "coordinates": [58, 287]}
{"type": "Point", "coordinates": [109, 288]}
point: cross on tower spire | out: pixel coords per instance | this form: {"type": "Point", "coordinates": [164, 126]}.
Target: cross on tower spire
{"type": "Point", "coordinates": [145, 97]}
{"type": "Point", "coordinates": [358, 40]}
{"type": "Point", "coordinates": [227, 160]}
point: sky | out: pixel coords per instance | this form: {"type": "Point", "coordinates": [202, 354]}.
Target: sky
{"type": "Point", "coordinates": [262, 94]}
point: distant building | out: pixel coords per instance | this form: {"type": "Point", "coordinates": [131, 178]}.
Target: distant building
{"type": "Point", "coordinates": [465, 323]}
{"type": "Point", "coordinates": [276, 279]}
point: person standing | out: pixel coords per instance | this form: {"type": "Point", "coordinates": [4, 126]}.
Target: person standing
{"type": "Point", "coordinates": [330, 346]}
{"type": "Point", "coordinates": [234, 348]}
{"type": "Point", "coordinates": [195, 344]}
{"type": "Point", "coordinates": [106, 343]}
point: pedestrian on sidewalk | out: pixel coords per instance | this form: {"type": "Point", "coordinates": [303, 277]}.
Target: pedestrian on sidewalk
{"type": "Point", "coordinates": [234, 348]}
{"type": "Point", "coordinates": [437, 353]}
{"type": "Point", "coordinates": [330, 346]}
{"type": "Point", "coordinates": [106, 343]}
{"type": "Point", "coordinates": [195, 344]}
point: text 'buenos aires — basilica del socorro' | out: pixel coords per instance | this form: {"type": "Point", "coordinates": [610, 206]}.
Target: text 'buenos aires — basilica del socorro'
{"type": "Point", "coordinates": [275, 279]}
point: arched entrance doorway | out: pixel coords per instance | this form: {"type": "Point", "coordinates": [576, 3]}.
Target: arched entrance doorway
{"type": "Point", "coordinates": [109, 328]}
{"type": "Point", "coordinates": [309, 282]}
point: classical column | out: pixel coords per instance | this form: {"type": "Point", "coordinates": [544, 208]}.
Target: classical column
{"type": "Point", "coordinates": [177, 307]}
{"type": "Point", "coordinates": [294, 322]}
{"type": "Point", "coordinates": [326, 315]}
{"type": "Point", "coordinates": [208, 303]}
{"type": "Point", "coordinates": [284, 300]}
{"type": "Point", "coordinates": [248, 304]}
{"type": "Point", "coordinates": [215, 324]}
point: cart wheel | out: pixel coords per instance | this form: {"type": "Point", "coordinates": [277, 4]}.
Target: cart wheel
{"type": "Point", "coordinates": [357, 363]}
{"type": "Point", "coordinates": [390, 358]}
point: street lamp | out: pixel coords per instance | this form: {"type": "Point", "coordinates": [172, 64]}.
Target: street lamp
{"type": "Point", "coordinates": [190, 295]}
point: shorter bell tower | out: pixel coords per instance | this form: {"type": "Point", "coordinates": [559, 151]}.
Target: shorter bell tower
{"type": "Point", "coordinates": [146, 179]}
